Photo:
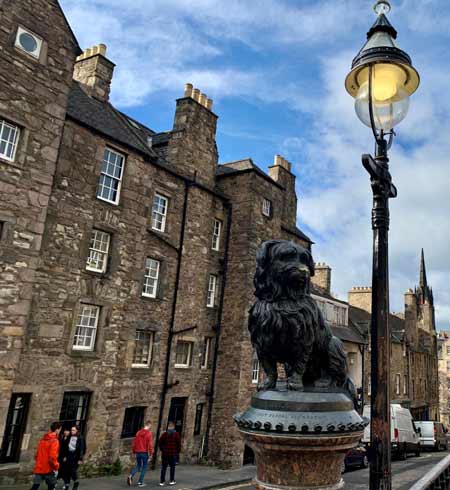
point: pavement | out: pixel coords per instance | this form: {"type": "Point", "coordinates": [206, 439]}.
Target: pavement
{"type": "Point", "coordinates": [188, 477]}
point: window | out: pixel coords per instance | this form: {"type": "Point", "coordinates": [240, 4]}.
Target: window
{"type": "Point", "coordinates": [211, 296]}
{"type": "Point", "coordinates": [397, 384]}
{"type": "Point", "coordinates": [448, 350]}
{"type": "Point", "coordinates": [9, 136]}
{"type": "Point", "coordinates": [110, 176]}
{"type": "Point", "coordinates": [74, 410]}
{"type": "Point", "coordinates": [369, 387]}
{"type": "Point", "coordinates": [352, 358]}
{"type": "Point", "coordinates": [98, 251]}
{"type": "Point", "coordinates": [448, 366]}
{"type": "Point", "coordinates": [143, 346]}
{"type": "Point", "coordinates": [405, 384]}
{"type": "Point", "coordinates": [16, 422]}
{"type": "Point", "coordinates": [183, 355]}
{"type": "Point", "coordinates": [205, 352]}
{"type": "Point", "coordinates": [267, 207]}
{"type": "Point", "coordinates": [133, 421]}
{"type": "Point", "coordinates": [448, 384]}
{"type": "Point", "coordinates": [86, 328]}
{"type": "Point", "coordinates": [255, 369]}
{"type": "Point", "coordinates": [151, 275]}
{"type": "Point", "coordinates": [217, 230]}
{"type": "Point", "coordinates": [159, 212]}
{"type": "Point", "coordinates": [28, 42]}
{"type": "Point", "coordinates": [198, 418]}
{"type": "Point", "coordinates": [2, 229]}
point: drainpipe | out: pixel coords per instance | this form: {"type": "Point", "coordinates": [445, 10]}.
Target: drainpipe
{"type": "Point", "coordinates": [218, 329]}
{"type": "Point", "coordinates": [165, 387]}
{"type": "Point", "coordinates": [362, 349]}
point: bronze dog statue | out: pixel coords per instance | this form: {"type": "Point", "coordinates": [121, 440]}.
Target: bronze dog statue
{"type": "Point", "coordinates": [287, 327]}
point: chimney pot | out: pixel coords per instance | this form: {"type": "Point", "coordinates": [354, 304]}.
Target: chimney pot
{"type": "Point", "coordinates": [188, 90]}
{"type": "Point", "coordinates": [87, 52]}
{"type": "Point", "coordinates": [209, 103]}
{"type": "Point", "coordinates": [196, 94]}
{"type": "Point", "coordinates": [102, 49]}
{"type": "Point", "coordinates": [202, 99]}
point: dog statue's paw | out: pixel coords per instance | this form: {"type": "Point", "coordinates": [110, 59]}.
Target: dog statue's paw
{"type": "Point", "coordinates": [269, 383]}
{"type": "Point", "coordinates": [295, 383]}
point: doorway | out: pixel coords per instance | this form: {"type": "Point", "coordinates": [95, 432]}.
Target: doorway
{"type": "Point", "coordinates": [16, 422]}
{"type": "Point", "coordinates": [249, 456]}
{"type": "Point", "coordinates": [176, 413]}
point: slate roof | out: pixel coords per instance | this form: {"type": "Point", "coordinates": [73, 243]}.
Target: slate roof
{"type": "Point", "coordinates": [241, 166]}
{"type": "Point", "coordinates": [105, 119]}
{"type": "Point", "coordinates": [348, 334]}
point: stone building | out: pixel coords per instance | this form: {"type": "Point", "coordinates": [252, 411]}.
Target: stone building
{"type": "Point", "coordinates": [444, 377]}
{"type": "Point", "coordinates": [126, 256]}
{"type": "Point", "coordinates": [414, 356]}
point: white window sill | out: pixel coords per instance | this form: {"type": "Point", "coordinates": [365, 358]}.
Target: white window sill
{"type": "Point", "coordinates": [182, 366]}
{"type": "Point", "coordinates": [99, 271]}
{"type": "Point", "coordinates": [210, 306]}
{"type": "Point", "coordinates": [83, 349]}
{"type": "Point", "coordinates": [115, 203]}
{"type": "Point", "coordinates": [140, 366]}
{"type": "Point", "coordinates": [153, 296]}
{"type": "Point", "coordinates": [162, 230]}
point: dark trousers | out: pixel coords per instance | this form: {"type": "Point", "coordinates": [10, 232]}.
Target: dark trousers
{"type": "Point", "coordinates": [71, 473]}
{"type": "Point", "coordinates": [168, 461]}
{"type": "Point", "coordinates": [49, 478]}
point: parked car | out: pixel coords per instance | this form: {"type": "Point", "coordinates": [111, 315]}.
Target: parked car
{"type": "Point", "coordinates": [432, 435]}
{"type": "Point", "coordinates": [356, 458]}
{"type": "Point", "coordinates": [404, 435]}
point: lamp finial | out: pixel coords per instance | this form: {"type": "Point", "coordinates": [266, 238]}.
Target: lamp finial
{"type": "Point", "coordinates": [382, 7]}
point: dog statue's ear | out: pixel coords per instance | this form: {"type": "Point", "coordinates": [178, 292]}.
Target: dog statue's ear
{"type": "Point", "coordinates": [311, 264]}
{"type": "Point", "coordinates": [262, 262]}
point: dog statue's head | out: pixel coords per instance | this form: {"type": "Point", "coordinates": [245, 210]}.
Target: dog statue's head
{"type": "Point", "coordinates": [283, 270]}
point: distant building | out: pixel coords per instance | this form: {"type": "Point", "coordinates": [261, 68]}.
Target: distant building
{"type": "Point", "coordinates": [414, 356]}
{"type": "Point", "coordinates": [444, 377]}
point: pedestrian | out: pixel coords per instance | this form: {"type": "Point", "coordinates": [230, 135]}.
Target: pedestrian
{"type": "Point", "coordinates": [72, 451]}
{"type": "Point", "coordinates": [170, 446]}
{"type": "Point", "coordinates": [142, 450]}
{"type": "Point", "coordinates": [46, 467]}
{"type": "Point", "coordinates": [62, 459]}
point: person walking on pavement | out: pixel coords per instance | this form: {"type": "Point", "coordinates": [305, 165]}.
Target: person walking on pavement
{"type": "Point", "coordinates": [170, 446]}
{"type": "Point", "coordinates": [63, 442]}
{"type": "Point", "coordinates": [46, 467]}
{"type": "Point", "coordinates": [72, 451]}
{"type": "Point", "coordinates": [143, 450]}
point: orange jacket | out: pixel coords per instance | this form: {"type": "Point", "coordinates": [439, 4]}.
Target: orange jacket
{"type": "Point", "coordinates": [47, 454]}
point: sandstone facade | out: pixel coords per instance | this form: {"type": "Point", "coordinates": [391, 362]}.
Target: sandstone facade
{"type": "Point", "coordinates": [444, 377]}
{"type": "Point", "coordinates": [126, 257]}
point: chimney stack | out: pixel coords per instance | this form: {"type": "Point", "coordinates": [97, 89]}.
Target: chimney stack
{"type": "Point", "coordinates": [94, 72]}
{"type": "Point", "coordinates": [361, 297]}
{"type": "Point", "coordinates": [322, 276]}
{"type": "Point", "coordinates": [194, 93]}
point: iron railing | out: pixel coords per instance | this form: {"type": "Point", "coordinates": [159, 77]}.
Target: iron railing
{"type": "Point", "coordinates": [438, 478]}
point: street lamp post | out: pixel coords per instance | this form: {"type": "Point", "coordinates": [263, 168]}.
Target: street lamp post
{"type": "Point", "coordinates": [381, 80]}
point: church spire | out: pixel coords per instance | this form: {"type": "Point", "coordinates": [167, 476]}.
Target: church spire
{"type": "Point", "coordinates": [423, 272]}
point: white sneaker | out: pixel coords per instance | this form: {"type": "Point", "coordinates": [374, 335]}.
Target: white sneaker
{"type": "Point", "coordinates": [172, 483]}
{"type": "Point", "coordinates": [161, 484]}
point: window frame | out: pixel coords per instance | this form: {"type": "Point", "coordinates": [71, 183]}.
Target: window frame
{"type": "Point", "coordinates": [39, 41]}
{"type": "Point", "coordinates": [119, 179]}
{"type": "Point", "coordinates": [137, 421]}
{"type": "Point", "coordinates": [78, 325]}
{"type": "Point", "coordinates": [98, 251]}
{"type": "Point", "coordinates": [217, 233]}
{"type": "Point", "coordinates": [397, 384]}
{"type": "Point", "coordinates": [14, 143]}
{"type": "Point", "coordinates": [206, 349]}
{"type": "Point", "coordinates": [188, 364]}
{"type": "Point", "coordinates": [405, 384]}
{"type": "Point", "coordinates": [154, 294]}
{"type": "Point", "coordinates": [198, 418]}
{"type": "Point", "coordinates": [84, 398]}
{"type": "Point", "coordinates": [151, 340]}
{"type": "Point", "coordinates": [164, 215]}
{"type": "Point", "coordinates": [256, 368]}
{"type": "Point", "coordinates": [268, 213]}
{"type": "Point", "coordinates": [211, 291]}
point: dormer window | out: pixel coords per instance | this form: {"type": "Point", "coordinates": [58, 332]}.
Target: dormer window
{"type": "Point", "coordinates": [28, 42]}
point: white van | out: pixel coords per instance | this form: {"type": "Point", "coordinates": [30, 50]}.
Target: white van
{"type": "Point", "coordinates": [404, 436]}
{"type": "Point", "coordinates": [432, 435]}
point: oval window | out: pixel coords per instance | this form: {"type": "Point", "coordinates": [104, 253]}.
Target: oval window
{"type": "Point", "coordinates": [28, 42]}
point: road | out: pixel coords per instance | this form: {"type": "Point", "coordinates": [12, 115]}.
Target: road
{"type": "Point", "coordinates": [404, 473]}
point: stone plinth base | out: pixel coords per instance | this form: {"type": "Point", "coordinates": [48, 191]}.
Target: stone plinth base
{"type": "Point", "coordinates": [300, 438]}
{"type": "Point", "coordinates": [298, 462]}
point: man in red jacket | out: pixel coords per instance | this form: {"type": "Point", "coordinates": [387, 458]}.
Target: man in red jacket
{"type": "Point", "coordinates": [46, 467]}
{"type": "Point", "coordinates": [143, 450]}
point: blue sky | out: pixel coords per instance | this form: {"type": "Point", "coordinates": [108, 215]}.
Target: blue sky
{"type": "Point", "coordinates": [276, 70]}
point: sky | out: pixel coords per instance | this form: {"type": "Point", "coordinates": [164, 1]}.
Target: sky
{"type": "Point", "coordinates": [275, 70]}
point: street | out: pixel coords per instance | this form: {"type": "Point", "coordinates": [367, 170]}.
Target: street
{"type": "Point", "coordinates": [404, 473]}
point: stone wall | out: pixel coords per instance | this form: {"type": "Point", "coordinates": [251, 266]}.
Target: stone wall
{"type": "Point", "coordinates": [33, 97]}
